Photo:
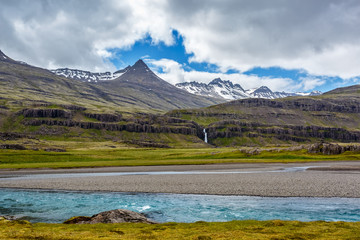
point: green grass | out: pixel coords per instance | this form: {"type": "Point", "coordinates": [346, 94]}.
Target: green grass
{"type": "Point", "coordinates": [105, 154]}
{"type": "Point", "coordinates": [249, 229]}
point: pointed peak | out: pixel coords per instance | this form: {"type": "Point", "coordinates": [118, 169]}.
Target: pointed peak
{"type": "Point", "coordinates": [140, 63]}
{"type": "Point", "coordinates": [216, 81]}
{"type": "Point", "coordinates": [139, 68]}
{"type": "Point", "coordinates": [220, 82]}
{"type": "Point", "coordinates": [263, 88]}
{"type": "Point", "coordinates": [3, 56]}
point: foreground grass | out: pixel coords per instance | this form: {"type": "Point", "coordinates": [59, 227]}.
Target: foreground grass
{"type": "Point", "coordinates": [73, 158]}
{"type": "Point", "coordinates": [249, 229]}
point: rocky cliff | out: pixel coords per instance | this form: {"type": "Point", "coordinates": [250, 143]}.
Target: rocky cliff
{"type": "Point", "coordinates": [61, 121]}
{"type": "Point", "coordinates": [231, 129]}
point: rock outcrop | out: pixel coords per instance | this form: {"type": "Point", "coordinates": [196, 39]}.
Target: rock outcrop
{"type": "Point", "coordinates": [11, 136]}
{"type": "Point", "coordinates": [12, 146]}
{"type": "Point", "coordinates": [104, 117]}
{"type": "Point", "coordinates": [303, 104]}
{"type": "Point", "coordinates": [189, 129]}
{"type": "Point", "coordinates": [45, 113]}
{"type": "Point", "coordinates": [227, 129]}
{"type": "Point", "coordinates": [113, 216]}
{"type": "Point", "coordinates": [332, 149]}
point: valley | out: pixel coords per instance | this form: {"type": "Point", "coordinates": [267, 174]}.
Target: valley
{"type": "Point", "coordinates": [170, 119]}
{"type": "Point", "coordinates": [138, 109]}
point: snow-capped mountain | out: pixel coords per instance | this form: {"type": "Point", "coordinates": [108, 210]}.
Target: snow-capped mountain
{"type": "Point", "coordinates": [227, 90]}
{"type": "Point", "coordinates": [216, 88]}
{"type": "Point", "coordinates": [87, 76]}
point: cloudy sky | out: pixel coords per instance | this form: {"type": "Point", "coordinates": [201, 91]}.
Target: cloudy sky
{"type": "Point", "coordinates": [297, 45]}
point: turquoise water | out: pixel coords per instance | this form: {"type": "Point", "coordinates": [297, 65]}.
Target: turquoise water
{"type": "Point", "coordinates": [57, 206]}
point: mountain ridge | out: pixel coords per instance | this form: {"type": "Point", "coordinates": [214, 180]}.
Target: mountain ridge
{"type": "Point", "coordinates": [217, 88]}
{"type": "Point", "coordinates": [228, 90]}
{"type": "Point", "coordinates": [87, 76]}
{"type": "Point", "coordinates": [139, 90]}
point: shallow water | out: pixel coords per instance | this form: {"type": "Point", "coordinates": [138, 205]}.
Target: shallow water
{"type": "Point", "coordinates": [108, 174]}
{"type": "Point", "coordinates": [57, 206]}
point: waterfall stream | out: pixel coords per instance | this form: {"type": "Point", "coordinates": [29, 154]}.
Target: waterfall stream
{"type": "Point", "coordinates": [205, 138]}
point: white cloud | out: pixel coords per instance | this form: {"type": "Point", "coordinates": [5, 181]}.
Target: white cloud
{"type": "Point", "coordinates": [174, 72]}
{"type": "Point", "coordinates": [309, 83]}
{"type": "Point", "coordinates": [318, 36]}
{"type": "Point", "coordinates": [321, 37]}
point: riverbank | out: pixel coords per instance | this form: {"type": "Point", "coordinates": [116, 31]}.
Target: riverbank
{"type": "Point", "coordinates": [249, 229]}
{"type": "Point", "coordinates": [320, 179]}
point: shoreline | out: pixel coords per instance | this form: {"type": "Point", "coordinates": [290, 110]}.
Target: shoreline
{"type": "Point", "coordinates": [321, 179]}
{"type": "Point", "coordinates": [165, 193]}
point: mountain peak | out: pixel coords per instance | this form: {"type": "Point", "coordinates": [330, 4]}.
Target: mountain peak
{"type": "Point", "coordinates": [140, 64]}
{"type": "Point", "coordinates": [140, 67]}
{"type": "Point", "coordinates": [216, 80]}
{"type": "Point", "coordinates": [3, 56]}
{"type": "Point", "coordinates": [263, 89]}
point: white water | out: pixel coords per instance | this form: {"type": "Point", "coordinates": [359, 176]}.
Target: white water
{"type": "Point", "coordinates": [205, 138]}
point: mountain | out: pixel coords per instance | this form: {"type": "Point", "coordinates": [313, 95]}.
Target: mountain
{"type": "Point", "coordinates": [142, 84]}
{"type": "Point", "coordinates": [216, 88]}
{"type": "Point", "coordinates": [227, 90]}
{"type": "Point", "coordinates": [332, 116]}
{"type": "Point", "coordinates": [136, 89]}
{"type": "Point", "coordinates": [35, 103]}
{"type": "Point", "coordinates": [87, 76]}
{"type": "Point", "coordinates": [25, 85]}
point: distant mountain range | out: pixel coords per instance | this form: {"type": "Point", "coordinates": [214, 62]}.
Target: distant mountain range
{"type": "Point", "coordinates": [225, 89]}
{"type": "Point", "coordinates": [217, 88]}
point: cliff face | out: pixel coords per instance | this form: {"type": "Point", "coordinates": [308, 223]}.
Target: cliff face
{"type": "Point", "coordinates": [189, 129]}
{"type": "Point", "coordinates": [45, 113]}
{"type": "Point", "coordinates": [231, 129]}
{"type": "Point", "coordinates": [302, 104]}
{"type": "Point", "coordinates": [80, 118]}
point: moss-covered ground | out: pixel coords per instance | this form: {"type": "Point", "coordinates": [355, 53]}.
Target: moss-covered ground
{"type": "Point", "coordinates": [100, 154]}
{"type": "Point", "coordinates": [249, 229]}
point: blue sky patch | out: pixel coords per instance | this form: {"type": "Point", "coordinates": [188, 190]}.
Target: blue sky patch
{"type": "Point", "coordinates": [147, 49]}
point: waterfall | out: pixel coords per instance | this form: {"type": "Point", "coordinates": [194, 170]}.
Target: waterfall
{"type": "Point", "coordinates": [205, 138]}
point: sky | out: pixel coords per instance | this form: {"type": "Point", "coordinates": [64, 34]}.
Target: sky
{"type": "Point", "coordinates": [297, 45]}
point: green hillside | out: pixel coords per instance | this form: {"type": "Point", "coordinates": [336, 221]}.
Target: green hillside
{"type": "Point", "coordinates": [333, 116]}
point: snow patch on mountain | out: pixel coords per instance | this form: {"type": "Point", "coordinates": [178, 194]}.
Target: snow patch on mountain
{"type": "Point", "coordinates": [87, 76]}
{"type": "Point", "coordinates": [225, 89]}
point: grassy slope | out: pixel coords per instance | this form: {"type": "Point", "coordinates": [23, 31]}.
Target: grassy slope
{"type": "Point", "coordinates": [22, 84]}
{"type": "Point", "coordinates": [249, 229]}
{"type": "Point", "coordinates": [94, 155]}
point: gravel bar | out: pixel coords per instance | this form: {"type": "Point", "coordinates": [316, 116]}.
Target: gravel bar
{"type": "Point", "coordinates": [320, 179]}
